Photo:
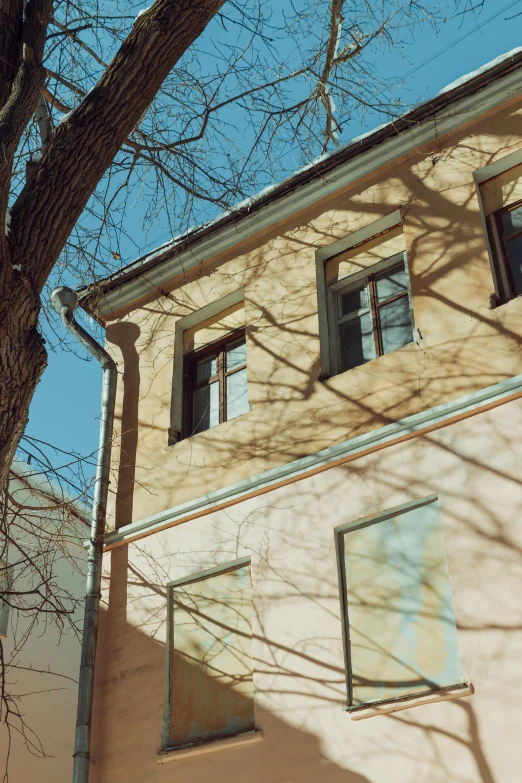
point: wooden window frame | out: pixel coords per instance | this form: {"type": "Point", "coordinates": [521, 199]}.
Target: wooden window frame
{"type": "Point", "coordinates": [501, 256]}
{"type": "Point", "coordinates": [367, 279]}
{"type": "Point", "coordinates": [216, 348]}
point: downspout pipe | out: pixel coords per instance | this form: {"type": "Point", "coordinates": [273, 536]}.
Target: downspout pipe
{"type": "Point", "coordinates": [64, 301]}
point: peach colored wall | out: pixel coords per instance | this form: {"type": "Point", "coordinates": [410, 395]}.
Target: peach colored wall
{"type": "Point", "coordinates": [462, 346]}
{"type": "Point", "coordinates": [43, 661]}
{"type": "Point", "coordinates": [474, 468]}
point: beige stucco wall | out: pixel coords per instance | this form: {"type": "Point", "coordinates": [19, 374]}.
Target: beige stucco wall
{"type": "Point", "coordinates": [462, 346]}
{"type": "Point", "coordinates": [43, 661]}
{"type": "Point", "coordinates": [299, 687]}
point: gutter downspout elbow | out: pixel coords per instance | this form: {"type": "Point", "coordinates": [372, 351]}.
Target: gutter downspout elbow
{"type": "Point", "coordinates": [64, 301]}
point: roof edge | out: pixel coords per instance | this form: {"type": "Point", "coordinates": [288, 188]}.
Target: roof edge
{"type": "Point", "coordinates": [313, 171]}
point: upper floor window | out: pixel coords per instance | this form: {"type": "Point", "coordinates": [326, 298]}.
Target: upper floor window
{"type": "Point", "coordinates": [370, 313]}
{"type": "Point", "coordinates": [364, 295]}
{"type": "Point", "coordinates": [501, 197]}
{"type": "Point", "coordinates": [215, 383]}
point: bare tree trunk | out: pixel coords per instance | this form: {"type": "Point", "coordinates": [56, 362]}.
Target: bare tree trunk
{"type": "Point", "coordinates": [22, 360]}
{"type": "Point", "coordinates": [78, 155]}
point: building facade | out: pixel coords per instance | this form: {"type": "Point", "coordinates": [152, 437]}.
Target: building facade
{"type": "Point", "coordinates": [43, 583]}
{"type": "Point", "coordinates": [314, 571]}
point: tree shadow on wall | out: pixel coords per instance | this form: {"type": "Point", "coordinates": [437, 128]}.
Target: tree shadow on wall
{"type": "Point", "coordinates": [129, 714]}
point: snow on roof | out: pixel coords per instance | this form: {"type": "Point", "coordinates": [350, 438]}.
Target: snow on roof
{"type": "Point", "coordinates": [483, 68]}
{"type": "Point", "coordinates": [246, 204]}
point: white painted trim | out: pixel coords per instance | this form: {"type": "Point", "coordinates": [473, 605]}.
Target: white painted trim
{"type": "Point", "coordinates": [200, 576]}
{"type": "Point", "coordinates": [188, 322]}
{"type": "Point", "coordinates": [360, 236]}
{"type": "Point", "coordinates": [458, 692]}
{"type": "Point", "coordinates": [449, 119]}
{"type": "Point", "coordinates": [389, 513]}
{"type": "Point", "coordinates": [390, 434]}
{"type": "Point", "coordinates": [176, 754]}
{"type": "Point", "coordinates": [499, 166]}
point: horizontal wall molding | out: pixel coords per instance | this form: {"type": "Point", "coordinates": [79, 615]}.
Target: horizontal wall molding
{"type": "Point", "coordinates": [215, 242]}
{"type": "Point", "coordinates": [347, 451]}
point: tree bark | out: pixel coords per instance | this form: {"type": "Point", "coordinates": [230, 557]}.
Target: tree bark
{"type": "Point", "coordinates": [22, 360]}
{"type": "Point", "coordinates": [11, 25]}
{"type": "Point", "coordinates": [51, 202]}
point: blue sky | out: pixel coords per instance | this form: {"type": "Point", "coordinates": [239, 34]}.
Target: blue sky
{"type": "Point", "coordinates": [65, 409]}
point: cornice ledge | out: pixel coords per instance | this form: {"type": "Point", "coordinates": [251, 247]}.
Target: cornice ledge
{"type": "Point", "coordinates": [388, 435]}
{"type": "Point", "coordinates": [162, 266]}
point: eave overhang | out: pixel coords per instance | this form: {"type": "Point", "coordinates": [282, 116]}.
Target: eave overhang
{"type": "Point", "coordinates": [449, 110]}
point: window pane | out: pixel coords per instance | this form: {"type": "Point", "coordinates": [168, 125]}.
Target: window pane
{"type": "Point", "coordinates": [512, 221]}
{"type": "Point", "coordinates": [205, 407]}
{"type": "Point", "coordinates": [212, 693]}
{"type": "Point", "coordinates": [403, 638]}
{"type": "Point", "coordinates": [356, 342]}
{"type": "Point", "coordinates": [237, 394]}
{"type": "Point", "coordinates": [353, 300]}
{"type": "Point", "coordinates": [236, 355]}
{"type": "Point", "coordinates": [206, 369]}
{"type": "Point", "coordinates": [515, 257]}
{"type": "Point", "coordinates": [391, 282]}
{"type": "Point", "coordinates": [395, 322]}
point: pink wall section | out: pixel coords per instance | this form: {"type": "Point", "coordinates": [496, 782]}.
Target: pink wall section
{"type": "Point", "coordinates": [474, 468]}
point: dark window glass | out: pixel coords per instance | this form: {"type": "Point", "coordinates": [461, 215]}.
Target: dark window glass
{"type": "Point", "coordinates": [375, 317]}
{"type": "Point", "coordinates": [356, 342]}
{"type": "Point", "coordinates": [216, 387]}
{"type": "Point", "coordinates": [512, 221]}
{"type": "Point", "coordinates": [206, 369]}
{"type": "Point", "coordinates": [395, 323]}
{"type": "Point", "coordinates": [505, 227]}
{"type": "Point", "coordinates": [390, 283]}
{"type": "Point", "coordinates": [352, 301]}
{"type": "Point", "coordinates": [514, 247]}
{"type": "Point", "coordinates": [237, 394]}
{"type": "Point", "coordinates": [236, 355]}
{"type": "Point", "coordinates": [206, 407]}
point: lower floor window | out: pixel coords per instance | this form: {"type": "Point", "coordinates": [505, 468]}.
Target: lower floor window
{"type": "Point", "coordinates": [400, 631]}
{"type": "Point", "coordinates": [211, 692]}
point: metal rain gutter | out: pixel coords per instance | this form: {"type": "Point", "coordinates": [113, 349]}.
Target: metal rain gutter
{"type": "Point", "coordinates": [64, 301]}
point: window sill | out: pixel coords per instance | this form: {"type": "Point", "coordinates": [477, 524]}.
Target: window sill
{"type": "Point", "coordinates": [174, 754]}
{"type": "Point", "coordinates": [382, 708]}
